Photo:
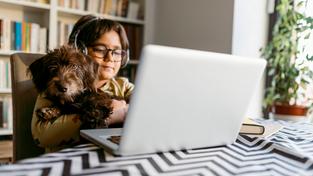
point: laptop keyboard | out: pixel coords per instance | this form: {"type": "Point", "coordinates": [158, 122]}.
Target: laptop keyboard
{"type": "Point", "coordinates": [115, 139]}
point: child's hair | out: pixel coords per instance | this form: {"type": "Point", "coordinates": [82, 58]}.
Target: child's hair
{"type": "Point", "coordinates": [89, 28]}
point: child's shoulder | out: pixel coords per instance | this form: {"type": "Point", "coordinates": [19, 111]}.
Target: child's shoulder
{"type": "Point", "coordinates": [123, 83]}
{"type": "Point", "coordinates": [120, 80]}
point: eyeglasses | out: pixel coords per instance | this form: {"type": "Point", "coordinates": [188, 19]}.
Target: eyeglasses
{"type": "Point", "coordinates": [101, 52]}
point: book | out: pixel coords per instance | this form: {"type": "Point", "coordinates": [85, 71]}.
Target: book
{"type": "Point", "coordinates": [108, 6]}
{"type": "Point", "coordinates": [102, 6]}
{"type": "Point", "coordinates": [250, 127]}
{"type": "Point", "coordinates": [119, 7]}
{"type": "Point", "coordinates": [81, 5]}
{"type": "Point", "coordinates": [18, 36]}
{"type": "Point", "coordinates": [1, 35]}
{"type": "Point", "coordinates": [34, 37]}
{"type": "Point", "coordinates": [133, 9]}
{"type": "Point", "coordinates": [43, 39]}
{"type": "Point", "coordinates": [4, 113]}
{"type": "Point", "coordinates": [23, 34]}
{"type": "Point", "coordinates": [7, 74]}
{"type": "Point", "coordinates": [7, 34]}
{"type": "Point", "coordinates": [125, 8]}
{"type": "Point", "coordinates": [27, 37]}
{"type": "Point", "coordinates": [270, 129]}
{"type": "Point", "coordinates": [13, 46]}
{"type": "Point", "coordinates": [254, 129]}
{"type": "Point", "coordinates": [2, 73]}
{"type": "Point", "coordinates": [1, 113]}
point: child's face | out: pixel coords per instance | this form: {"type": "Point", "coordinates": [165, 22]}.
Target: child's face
{"type": "Point", "coordinates": [109, 65]}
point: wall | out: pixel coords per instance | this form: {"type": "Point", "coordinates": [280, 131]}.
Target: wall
{"type": "Point", "coordinates": [238, 27]}
{"type": "Point", "coordinates": [150, 18]}
{"type": "Point", "coordinates": [196, 24]}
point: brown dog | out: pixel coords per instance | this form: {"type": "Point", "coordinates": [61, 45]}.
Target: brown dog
{"type": "Point", "coordinates": [67, 78]}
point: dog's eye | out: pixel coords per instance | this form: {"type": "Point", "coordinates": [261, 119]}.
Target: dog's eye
{"type": "Point", "coordinates": [52, 67]}
{"type": "Point", "coordinates": [75, 67]}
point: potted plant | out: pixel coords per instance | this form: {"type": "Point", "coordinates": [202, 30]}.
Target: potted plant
{"type": "Point", "coordinates": [288, 71]}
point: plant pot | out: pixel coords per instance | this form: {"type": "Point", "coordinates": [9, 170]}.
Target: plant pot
{"type": "Point", "coordinates": [290, 112]}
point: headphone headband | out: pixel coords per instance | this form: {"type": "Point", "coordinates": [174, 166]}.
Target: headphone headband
{"type": "Point", "coordinates": [83, 47]}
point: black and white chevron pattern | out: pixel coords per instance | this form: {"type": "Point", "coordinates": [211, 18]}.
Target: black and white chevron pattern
{"type": "Point", "coordinates": [288, 152]}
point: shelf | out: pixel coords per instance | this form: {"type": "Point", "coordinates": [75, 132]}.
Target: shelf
{"type": "Point", "coordinates": [69, 11]}
{"type": "Point", "coordinates": [133, 62]}
{"type": "Point", "coordinates": [75, 12]}
{"type": "Point", "coordinates": [122, 19]}
{"type": "Point", "coordinates": [8, 53]}
{"type": "Point", "coordinates": [5, 131]}
{"type": "Point", "coordinates": [5, 91]}
{"type": "Point", "coordinates": [47, 16]}
{"type": "Point", "coordinates": [26, 5]}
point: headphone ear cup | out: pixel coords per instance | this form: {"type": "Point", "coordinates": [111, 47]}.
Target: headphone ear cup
{"type": "Point", "coordinates": [83, 48]}
{"type": "Point", "coordinates": [125, 60]}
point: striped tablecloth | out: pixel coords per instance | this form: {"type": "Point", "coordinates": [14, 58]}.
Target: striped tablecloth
{"type": "Point", "coordinates": [288, 152]}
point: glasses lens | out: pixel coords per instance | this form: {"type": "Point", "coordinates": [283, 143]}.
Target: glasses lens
{"type": "Point", "coordinates": [118, 54]}
{"type": "Point", "coordinates": [102, 51]}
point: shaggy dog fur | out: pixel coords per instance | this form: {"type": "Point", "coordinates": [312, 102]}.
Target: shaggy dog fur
{"type": "Point", "coordinates": [67, 78]}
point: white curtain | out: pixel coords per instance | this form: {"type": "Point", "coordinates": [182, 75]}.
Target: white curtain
{"type": "Point", "coordinates": [307, 9]}
{"type": "Point", "coordinates": [306, 48]}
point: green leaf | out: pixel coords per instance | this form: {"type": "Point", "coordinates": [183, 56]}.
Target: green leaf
{"type": "Point", "coordinates": [309, 58]}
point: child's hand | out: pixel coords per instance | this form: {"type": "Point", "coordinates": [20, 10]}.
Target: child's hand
{"type": "Point", "coordinates": [48, 113]}
{"type": "Point", "coordinates": [120, 109]}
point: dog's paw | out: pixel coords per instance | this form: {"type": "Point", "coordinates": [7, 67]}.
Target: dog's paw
{"type": "Point", "coordinates": [48, 113]}
{"type": "Point", "coordinates": [94, 118]}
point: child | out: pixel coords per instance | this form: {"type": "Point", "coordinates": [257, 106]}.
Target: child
{"type": "Point", "coordinates": [106, 42]}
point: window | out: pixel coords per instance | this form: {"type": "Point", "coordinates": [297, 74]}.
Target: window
{"type": "Point", "coordinates": [305, 48]}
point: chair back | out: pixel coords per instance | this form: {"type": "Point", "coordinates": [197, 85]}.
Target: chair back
{"type": "Point", "coordinates": [24, 96]}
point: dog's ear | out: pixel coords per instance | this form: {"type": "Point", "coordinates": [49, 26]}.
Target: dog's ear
{"type": "Point", "coordinates": [92, 72]}
{"type": "Point", "coordinates": [38, 73]}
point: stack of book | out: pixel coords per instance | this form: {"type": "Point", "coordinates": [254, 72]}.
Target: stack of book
{"type": "Point", "coordinates": [121, 8]}
{"type": "Point", "coordinates": [6, 115]}
{"type": "Point", "coordinates": [64, 31]}
{"type": "Point", "coordinates": [5, 74]}
{"type": "Point", "coordinates": [22, 36]}
{"type": "Point", "coordinates": [39, 1]}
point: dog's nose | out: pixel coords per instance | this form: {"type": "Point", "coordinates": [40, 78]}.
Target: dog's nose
{"type": "Point", "coordinates": [61, 88]}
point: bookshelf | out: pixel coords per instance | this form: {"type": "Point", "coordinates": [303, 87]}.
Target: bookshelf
{"type": "Point", "coordinates": [47, 15]}
{"type": "Point", "coordinates": [25, 4]}
{"type": "Point", "coordinates": [5, 91]}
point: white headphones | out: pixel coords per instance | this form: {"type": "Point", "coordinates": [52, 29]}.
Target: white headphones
{"type": "Point", "coordinates": [83, 47]}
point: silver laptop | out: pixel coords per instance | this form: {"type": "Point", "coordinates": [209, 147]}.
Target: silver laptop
{"type": "Point", "coordinates": [183, 99]}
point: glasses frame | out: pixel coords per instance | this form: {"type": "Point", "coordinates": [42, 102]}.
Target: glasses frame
{"type": "Point", "coordinates": [115, 58]}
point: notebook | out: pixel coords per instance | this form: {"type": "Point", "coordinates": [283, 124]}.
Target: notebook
{"type": "Point", "coordinates": [183, 99]}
